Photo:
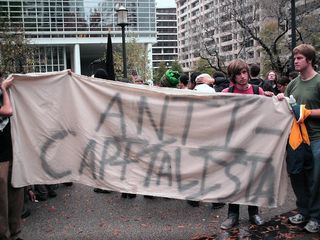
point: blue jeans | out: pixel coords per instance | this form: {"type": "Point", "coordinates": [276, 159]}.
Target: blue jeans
{"type": "Point", "coordinates": [314, 202]}
{"type": "Point", "coordinates": [305, 180]}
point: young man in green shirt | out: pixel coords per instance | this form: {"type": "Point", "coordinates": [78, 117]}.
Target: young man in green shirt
{"type": "Point", "coordinates": [305, 179]}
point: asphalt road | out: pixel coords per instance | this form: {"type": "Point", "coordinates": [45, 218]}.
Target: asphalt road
{"type": "Point", "coordinates": [79, 213]}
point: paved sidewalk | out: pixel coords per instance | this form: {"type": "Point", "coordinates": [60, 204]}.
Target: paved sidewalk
{"type": "Point", "coordinates": [77, 213]}
{"type": "Point", "coordinates": [277, 228]}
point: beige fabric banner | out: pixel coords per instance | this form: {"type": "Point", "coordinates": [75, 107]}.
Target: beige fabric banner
{"type": "Point", "coordinates": [149, 140]}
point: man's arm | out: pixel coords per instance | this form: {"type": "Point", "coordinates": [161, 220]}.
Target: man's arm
{"type": "Point", "coordinates": [315, 112]}
{"type": "Point", "coordinates": [6, 108]}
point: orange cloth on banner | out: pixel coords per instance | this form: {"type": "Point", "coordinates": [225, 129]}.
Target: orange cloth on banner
{"type": "Point", "coordinates": [299, 132]}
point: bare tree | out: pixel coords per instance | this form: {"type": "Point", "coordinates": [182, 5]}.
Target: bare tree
{"type": "Point", "coordinates": [253, 24]}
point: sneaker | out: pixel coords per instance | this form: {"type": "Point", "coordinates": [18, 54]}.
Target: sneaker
{"type": "Point", "coordinates": [312, 226]}
{"type": "Point", "coordinates": [230, 222]}
{"type": "Point", "coordinates": [256, 219]}
{"type": "Point", "coordinates": [297, 219]}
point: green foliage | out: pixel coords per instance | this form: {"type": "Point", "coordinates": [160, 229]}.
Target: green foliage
{"type": "Point", "coordinates": [271, 31]}
{"type": "Point", "coordinates": [137, 59]}
{"type": "Point", "coordinates": [16, 56]}
{"type": "Point", "coordinates": [175, 66]}
{"type": "Point", "coordinates": [158, 73]}
{"type": "Point", "coordinates": [203, 66]}
{"type": "Point", "coordinates": [309, 29]}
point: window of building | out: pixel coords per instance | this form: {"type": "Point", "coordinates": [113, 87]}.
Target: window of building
{"type": "Point", "coordinates": [250, 54]}
{"type": "Point", "coordinates": [226, 38]}
{"type": "Point", "coordinates": [226, 48]}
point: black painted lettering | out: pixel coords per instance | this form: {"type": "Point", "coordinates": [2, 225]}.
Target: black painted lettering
{"type": "Point", "coordinates": [188, 185]}
{"type": "Point", "coordinates": [88, 158]}
{"type": "Point", "coordinates": [165, 169]}
{"type": "Point", "coordinates": [144, 107]}
{"type": "Point", "coordinates": [105, 158]}
{"type": "Point", "coordinates": [52, 140]}
{"type": "Point", "coordinates": [118, 115]}
{"type": "Point", "coordinates": [129, 157]}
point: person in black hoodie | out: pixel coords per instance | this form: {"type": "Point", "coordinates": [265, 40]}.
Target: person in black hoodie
{"type": "Point", "coordinates": [256, 80]}
{"type": "Point", "coordinates": [221, 81]}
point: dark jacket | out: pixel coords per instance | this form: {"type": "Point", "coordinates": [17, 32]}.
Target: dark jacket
{"type": "Point", "coordinates": [264, 84]}
{"type": "Point", "coordinates": [221, 83]}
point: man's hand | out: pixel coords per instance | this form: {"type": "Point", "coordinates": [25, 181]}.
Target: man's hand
{"type": "Point", "coordinates": [280, 96]}
{"type": "Point", "coordinates": [268, 93]}
{"type": "Point", "coordinates": [6, 83]}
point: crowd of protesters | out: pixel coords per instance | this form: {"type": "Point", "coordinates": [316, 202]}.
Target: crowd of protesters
{"type": "Point", "coordinates": [240, 78]}
{"type": "Point", "coordinates": [303, 85]}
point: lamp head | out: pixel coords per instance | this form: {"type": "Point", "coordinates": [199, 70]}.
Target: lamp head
{"type": "Point", "coordinates": [122, 16]}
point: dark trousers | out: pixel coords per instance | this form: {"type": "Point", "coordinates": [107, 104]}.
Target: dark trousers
{"type": "Point", "coordinates": [11, 203]}
{"type": "Point", "coordinates": [314, 202]}
{"type": "Point", "coordinates": [235, 208]}
{"type": "Point", "coordinates": [301, 184]}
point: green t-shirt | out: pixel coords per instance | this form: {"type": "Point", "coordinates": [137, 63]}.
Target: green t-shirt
{"type": "Point", "coordinates": [308, 93]}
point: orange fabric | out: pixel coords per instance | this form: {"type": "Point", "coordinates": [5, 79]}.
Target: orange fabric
{"type": "Point", "coordinates": [304, 113]}
{"type": "Point", "coordinates": [299, 132]}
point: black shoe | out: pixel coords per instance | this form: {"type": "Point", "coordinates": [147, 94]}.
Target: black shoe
{"type": "Point", "coordinates": [52, 193]}
{"type": "Point", "coordinates": [124, 195]}
{"type": "Point", "coordinates": [193, 203]}
{"type": "Point", "coordinates": [230, 222]}
{"type": "Point", "coordinates": [41, 197]}
{"type": "Point", "coordinates": [99, 190]}
{"type": "Point", "coordinates": [256, 220]}
{"type": "Point", "coordinates": [25, 213]}
{"type": "Point", "coordinates": [128, 195]}
{"type": "Point", "coordinates": [68, 184]}
{"type": "Point", "coordinates": [149, 197]}
{"type": "Point", "coordinates": [218, 205]}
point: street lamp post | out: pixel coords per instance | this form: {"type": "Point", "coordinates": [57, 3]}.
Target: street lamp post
{"type": "Point", "coordinates": [123, 22]}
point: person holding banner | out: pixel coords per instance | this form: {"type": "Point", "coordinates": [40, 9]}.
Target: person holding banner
{"type": "Point", "coordinates": [238, 71]}
{"type": "Point", "coordinates": [11, 199]}
{"type": "Point", "coordinates": [303, 157]}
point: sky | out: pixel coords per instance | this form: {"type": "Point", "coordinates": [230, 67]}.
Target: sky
{"type": "Point", "coordinates": [165, 3]}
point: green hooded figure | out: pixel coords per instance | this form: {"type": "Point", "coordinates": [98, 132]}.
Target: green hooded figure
{"type": "Point", "coordinates": [169, 79]}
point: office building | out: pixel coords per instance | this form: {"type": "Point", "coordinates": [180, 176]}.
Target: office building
{"type": "Point", "coordinates": [73, 33]}
{"type": "Point", "coordinates": [165, 50]}
{"type": "Point", "coordinates": [207, 26]}
{"type": "Point", "coordinates": [204, 26]}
